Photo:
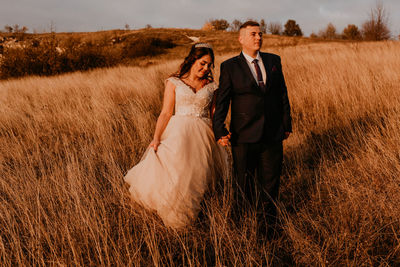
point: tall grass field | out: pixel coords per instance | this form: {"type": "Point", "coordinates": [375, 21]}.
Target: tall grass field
{"type": "Point", "coordinates": [66, 142]}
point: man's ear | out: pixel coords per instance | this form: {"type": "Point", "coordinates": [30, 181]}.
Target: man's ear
{"type": "Point", "coordinates": [241, 33]}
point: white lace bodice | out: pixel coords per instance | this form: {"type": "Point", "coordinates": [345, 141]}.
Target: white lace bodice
{"type": "Point", "coordinates": [189, 103]}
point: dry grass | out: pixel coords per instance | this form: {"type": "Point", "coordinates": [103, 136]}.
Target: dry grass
{"type": "Point", "coordinates": [66, 142]}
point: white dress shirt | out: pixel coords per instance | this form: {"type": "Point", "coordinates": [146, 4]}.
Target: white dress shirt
{"type": "Point", "coordinates": [249, 60]}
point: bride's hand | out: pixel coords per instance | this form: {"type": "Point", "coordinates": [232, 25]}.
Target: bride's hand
{"type": "Point", "coordinates": [154, 144]}
{"type": "Point", "coordinates": [224, 140]}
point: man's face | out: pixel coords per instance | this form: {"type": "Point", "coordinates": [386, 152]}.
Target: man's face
{"type": "Point", "coordinates": [251, 38]}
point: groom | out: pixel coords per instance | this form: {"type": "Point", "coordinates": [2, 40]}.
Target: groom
{"type": "Point", "coordinates": [253, 84]}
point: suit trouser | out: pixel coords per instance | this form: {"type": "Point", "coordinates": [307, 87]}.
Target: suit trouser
{"type": "Point", "coordinates": [257, 170]}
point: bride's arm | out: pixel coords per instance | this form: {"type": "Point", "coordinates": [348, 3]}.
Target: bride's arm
{"type": "Point", "coordinates": [166, 113]}
{"type": "Point", "coordinates": [212, 105]}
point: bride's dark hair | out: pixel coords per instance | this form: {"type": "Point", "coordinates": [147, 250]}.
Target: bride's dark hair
{"type": "Point", "coordinates": [196, 52]}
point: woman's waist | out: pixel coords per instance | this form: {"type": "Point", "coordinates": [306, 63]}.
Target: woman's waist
{"type": "Point", "coordinates": [195, 116]}
{"type": "Point", "coordinates": [199, 114]}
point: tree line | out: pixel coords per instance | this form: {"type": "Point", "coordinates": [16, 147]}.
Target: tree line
{"type": "Point", "coordinates": [374, 28]}
{"type": "Point", "coordinates": [291, 28]}
{"type": "Point", "coordinates": [15, 29]}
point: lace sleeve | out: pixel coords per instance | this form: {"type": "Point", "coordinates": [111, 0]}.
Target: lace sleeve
{"type": "Point", "coordinates": [213, 86]}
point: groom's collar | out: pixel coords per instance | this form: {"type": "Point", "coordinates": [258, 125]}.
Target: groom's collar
{"type": "Point", "coordinates": [250, 58]}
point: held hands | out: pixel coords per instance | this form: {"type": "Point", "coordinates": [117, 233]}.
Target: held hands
{"type": "Point", "coordinates": [154, 144]}
{"type": "Point", "coordinates": [224, 140]}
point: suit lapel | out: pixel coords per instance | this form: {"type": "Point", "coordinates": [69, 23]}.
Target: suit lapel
{"type": "Point", "coordinates": [243, 64]}
{"type": "Point", "coordinates": [267, 65]}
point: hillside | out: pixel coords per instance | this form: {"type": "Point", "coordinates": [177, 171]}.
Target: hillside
{"type": "Point", "coordinates": [56, 53]}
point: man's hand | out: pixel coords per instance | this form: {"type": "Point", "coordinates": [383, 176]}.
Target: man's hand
{"type": "Point", "coordinates": [224, 140]}
{"type": "Point", "coordinates": [286, 135]}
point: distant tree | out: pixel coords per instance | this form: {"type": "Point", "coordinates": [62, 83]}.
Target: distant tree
{"type": "Point", "coordinates": [24, 29]}
{"type": "Point", "coordinates": [220, 24]}
{"type": "Point", "coordinates": [127, 27]}
{"type": "Point", "coordinates": [52, 27]}
{"type": "Point", "coordinates": [263, 26]}
{"type": "Point", "coordinates": [313, 35]}
{"type": "Point", "coordinates": [329, 32]}
{"type": "Point", "coordinates": [148, 26]}
{"type": "Point", "coordinates": [207, 26]}
{"type": "Point", "coordinates": [292, 28]}
{"type": "Point", "coordinates": [275, 28]}
{"type": "Point", "coordinates": [351, 32]}
{"type": "Point", "coordinates": [16, 28]}
{"type": "Point", "coordinates": [235, 25]}
{"type": "Point", "coordinates": [376, 27]}
{"type": "Point", "coordinates": [8, 28]}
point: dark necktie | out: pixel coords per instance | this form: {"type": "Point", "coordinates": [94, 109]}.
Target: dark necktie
{"type": "Point", "coordinates": [259, 74]}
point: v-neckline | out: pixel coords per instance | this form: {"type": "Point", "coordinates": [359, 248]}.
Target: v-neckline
{"type": "Point", "coordinates": [192, 89]}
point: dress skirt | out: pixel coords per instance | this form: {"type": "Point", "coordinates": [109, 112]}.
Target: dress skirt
{"type": "Point", "coordinates": [173, 180]}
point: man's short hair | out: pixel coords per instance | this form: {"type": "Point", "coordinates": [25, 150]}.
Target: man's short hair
{"type": "Point", "coordinates": [249, 23]}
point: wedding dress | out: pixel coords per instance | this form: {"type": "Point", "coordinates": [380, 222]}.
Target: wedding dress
{"type": "Point", "coordinates": [173, 180]}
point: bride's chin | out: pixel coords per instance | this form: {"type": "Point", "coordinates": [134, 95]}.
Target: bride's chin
{"type": "Point", "coordinates": [203, 75]}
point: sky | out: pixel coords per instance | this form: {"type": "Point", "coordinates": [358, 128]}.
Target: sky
{"type": "Point", "coordinates": [96, 15]}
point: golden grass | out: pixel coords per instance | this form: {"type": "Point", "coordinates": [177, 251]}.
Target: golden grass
{"type": "Point", "coordinates": [67, 141]}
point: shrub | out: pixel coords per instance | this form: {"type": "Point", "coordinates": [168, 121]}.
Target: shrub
{"type": "Point", "coordinates": [351, 32]}
{"type": "Point", "coordinates": [275, 28]}
{"type": "Point", "coordinates": [263, 26]}
{"type": "Point", "coordinates": [147, 47]}
{"type": "Point", "coordinates": [50, 57]}
{"type": "Point", "coordinates": [47, 58]}
{"type": "Point", "coordinates": [207, 26]}
{"type": "Point", "coordinates": [376, 27]}
{"type": "Point", "coordinates": [235, 25]}
{"type": "Point", "coordinates": [220, 24]}
{"type": "Point", "coordinates": [292, 28]}
{"type": "Point", "coordinates": [329, 32]}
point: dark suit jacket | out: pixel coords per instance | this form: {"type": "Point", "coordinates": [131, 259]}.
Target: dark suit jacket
{"type": "Point", "coordinates": [256, 115]}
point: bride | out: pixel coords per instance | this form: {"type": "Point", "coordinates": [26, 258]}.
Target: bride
{"type": "Point", "coordinates": [183, 158]}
